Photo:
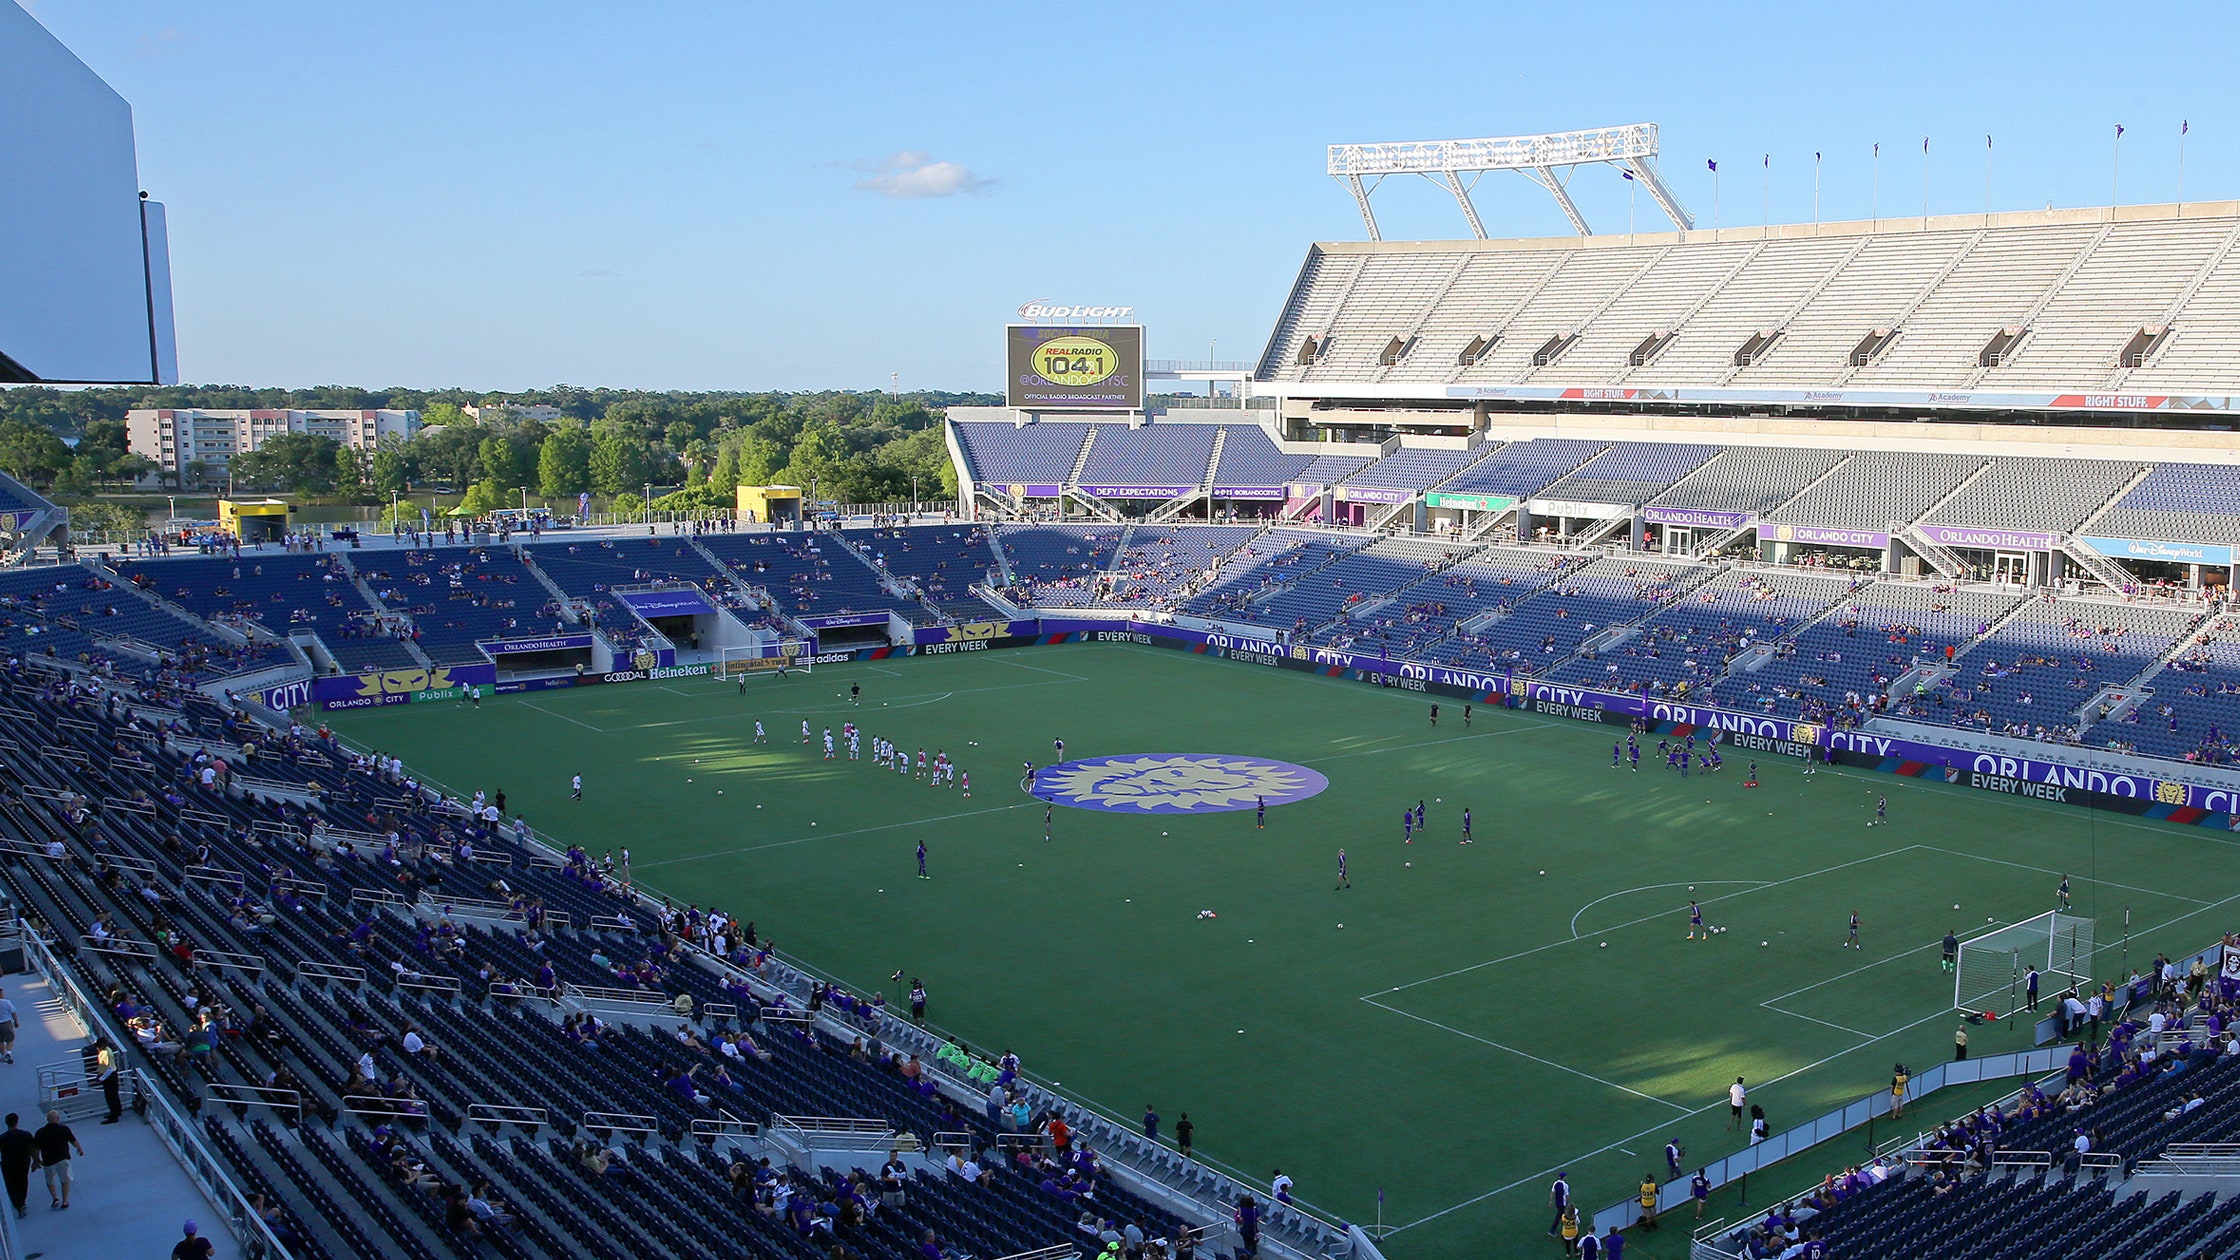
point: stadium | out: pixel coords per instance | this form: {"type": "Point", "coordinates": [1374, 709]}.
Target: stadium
{"type": "Point", "coordinates": [1014, 876]}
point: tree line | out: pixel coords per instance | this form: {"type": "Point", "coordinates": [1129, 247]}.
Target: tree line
{"type": "Point", "coordinates": [852, 447]}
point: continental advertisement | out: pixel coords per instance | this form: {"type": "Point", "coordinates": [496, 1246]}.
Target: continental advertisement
{"type": "Point", "coordinates": [1080, 368]}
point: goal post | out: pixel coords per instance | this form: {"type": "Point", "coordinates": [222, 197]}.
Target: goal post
{"type": "Point", "coordinates": [763, 660]}
{"type": "Point", "coordinates": [1993, 966]}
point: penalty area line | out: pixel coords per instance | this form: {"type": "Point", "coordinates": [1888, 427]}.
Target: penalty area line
{"type": "Point", "coordinates": [1647, 918]}
{"type": "Point", "coordinates": [1626, 1089]}
{"type": "Point", "coordinates": [531, 704]}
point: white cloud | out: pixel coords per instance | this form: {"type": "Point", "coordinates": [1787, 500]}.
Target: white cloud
{"type": "Point", "coordinates": [911, 174]}
{"type": "Point", "coordinates": [600, 273]}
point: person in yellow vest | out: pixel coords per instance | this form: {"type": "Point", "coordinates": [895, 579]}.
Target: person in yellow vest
{"type": "Point", "coordinates": [1648, 1201]}
{"type": "Point", "coordinates": [1898, 1079]}
{"type": "Point", "coordinates": [1567, 1228]}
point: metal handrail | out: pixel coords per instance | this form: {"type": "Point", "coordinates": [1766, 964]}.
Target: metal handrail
{"type": "Point", "coordinates": [186, 1146]}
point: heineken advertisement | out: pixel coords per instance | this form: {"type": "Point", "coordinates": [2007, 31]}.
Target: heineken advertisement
{"type": "Point", "coordinates": [1471, 502]}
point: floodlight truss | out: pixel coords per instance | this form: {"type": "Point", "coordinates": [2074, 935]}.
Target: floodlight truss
{"type": "Point", "coordinates": [1549, 161]}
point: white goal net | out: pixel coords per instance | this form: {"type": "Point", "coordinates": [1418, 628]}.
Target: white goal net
{"type": "Point", "coordinates": [791, 656]}
{"type": "Point", "coordinates": [1994, 967]}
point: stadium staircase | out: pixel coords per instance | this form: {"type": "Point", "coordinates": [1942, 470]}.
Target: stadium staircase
{"type": "Point", "coordinates": [1176, 507]}
{"type": "Point", "coordinates": [2045, 299]}
{"type": "Point", "coordinates": [2178, 305]}
{"type": "Point", "coordinates": [1599, 532]}
{"type": "Point", "coordinates": [1426, 312]}
{"type": "Point", "coordinates": [1943, 559]}
{"type": "Point", "coordinates": [1616, 295]}
{"type": "Point", "coordinates": [1711, 291]}
{"type": "Point", "coordinates": [1897, 322]}
{"type": "Point", "coordinates": [1487, 529]}
{"type": "Point", "coordinates": [1804, 301]}
{"type": "Point", "coordinates": [365, 590]}
{"type": "Point", "coordinates": [755, 595]}
{"type": "Point", "coordinates": [2111, 574]}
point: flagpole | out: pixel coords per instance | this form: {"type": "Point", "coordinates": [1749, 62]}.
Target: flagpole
{"type": "Point", "coordinates": [1765, 200]}
{"type": "Point", "coordinates": [1987, 181]}
{"type": "Point", "coordinates": [1924, 182]}
{"type": "Point", "coordinates": [1877, 195]}
{"type": "Point", "coordinates": [1816, 190]}
{"type": "Point", "coordinates": [2183, 127]}
{"type": "Point", "coordinates": [2115, 172]}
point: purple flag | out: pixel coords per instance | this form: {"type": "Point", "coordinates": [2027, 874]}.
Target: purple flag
{"type": "Point", "coordinates": [2119, 131]}
{"type": "Point", "coordinates": [1625, 172]}
{"type": "Point", "coordinates": [1712, 163]}
{"type": "Point", "coordinates": [2184, 126]}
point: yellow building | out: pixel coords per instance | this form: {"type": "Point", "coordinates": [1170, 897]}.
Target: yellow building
{"type": "Point", "coordinates": [254, 520]}
{"type": "Point", "coordinates": [769, 503]}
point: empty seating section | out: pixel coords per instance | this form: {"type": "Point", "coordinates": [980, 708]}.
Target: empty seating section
{"type": "Point", "coordinates": [1273, 559]}
{"type": "Point", "coordinates": [1869, 290]}
{"type": "Point", "coordinates": [21, 499]}
{"type": "Point", "coordinates": [73, 612]}
{"type": "Point", "coordinates": [1686, 645]}
{"type": "Point", "coordinates": [943, 561]}
{"type": "Point", "coordinates": [1545, 630]}
{"type": "Point", "coordinates": [1754, 300]}
{"type": "Point", "coordinates": [1414, 468]}
{"type": "Point", "coordinates": [2083, 289]}
{"type": "Point", "coordinates": [1388, 298]}
{"type": "Point", "coordinates": [808, 575]}
{"type": "Point", "coordinates": [2128, 281]}
{"type": "Point", "coordinates": [2032, 675]}
{"type": "Point", "coordinates": [2204, 336]}
{"type": "Point", "coordinates": [1580, 285]}
{"type": "Point", "coordinates": [1155, 455]}
{"type": "Point", "coordinates": [1322, 282]}
{"type": "Point", "coordinates": [1752, 479]}
{"type": "Point", "coordinates": [284, 594]}
{"type": "Point", "coordinates": [1631, 473]}
{"type": "Point", "coordinates": [1352, 582]}
{"type": "Point", "coordinates": [1326, 470]}
{"type": "Point", "coordinates": [1674, 284]}
{"type": "Point", "coordinates": [459, 596]}
{"type": "Point", "coordinates": [1994, 286]}
{"type": "Point", "coordinates": [1875, 489]}
{"type": "Point", "coordinates": [1158, 563]}
{"type": "Point", "coordinates": [2177, 503]}
{"type": "Point", "coordinates": [1480, 304]}
{"type": "Point", "coordinates": [1041, 453]}
{"type": "Point", "coordinates": [1841, 667]}
{"type": "Point", "coordinates": [1523, 469]}
{"type": "Point", "coordinates": [1058, 566]}
{"type": "Point", "coordinates": [1249, 457]}
{"type": "Point", "coordinates": [2036, 494]}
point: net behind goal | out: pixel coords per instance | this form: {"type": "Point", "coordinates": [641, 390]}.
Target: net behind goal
{"type": "Point", "coordinates": [765, 660]}
{"type": "Point", "coordinates": [1993, 966]}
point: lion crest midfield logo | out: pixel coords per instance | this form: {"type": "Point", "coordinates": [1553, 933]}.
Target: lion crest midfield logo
{"type": "Point", "coordinates": [1175, 783]}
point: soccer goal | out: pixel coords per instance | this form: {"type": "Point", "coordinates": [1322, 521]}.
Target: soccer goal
{"type": "Point", "coordinates": [1993, 965]}
{"type": "Point", "coordinates": [791, 657]}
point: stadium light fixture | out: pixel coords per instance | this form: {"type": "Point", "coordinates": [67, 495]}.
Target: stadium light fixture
{"type": "Point", "coordinates": [1632, 149]}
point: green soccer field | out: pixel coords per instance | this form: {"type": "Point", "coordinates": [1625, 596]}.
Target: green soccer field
{"type": "Point", "coordinates": [1462, 1023]}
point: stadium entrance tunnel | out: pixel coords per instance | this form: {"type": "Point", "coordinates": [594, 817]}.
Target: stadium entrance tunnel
{"type": "Point", "coordinates": [1175, 783]}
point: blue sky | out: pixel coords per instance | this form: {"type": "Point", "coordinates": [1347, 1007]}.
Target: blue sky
{"type": "Point", "coordinates": [745, 196]}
